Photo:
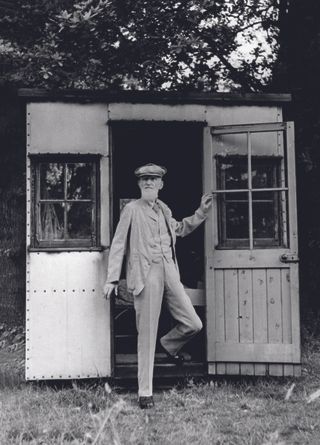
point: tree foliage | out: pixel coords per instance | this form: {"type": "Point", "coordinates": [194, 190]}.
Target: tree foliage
{"type": "Point", "coordinates": [159, 44]}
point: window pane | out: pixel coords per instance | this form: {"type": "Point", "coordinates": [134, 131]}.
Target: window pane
{"type": "Point", "coordinates": [233, 173]}
{"type": "Point", "coordinates": [266, 144]}
{"type": "Point", "coordinates": [51, 180]}
{"type": "Point", "coordinates": [269, 217]}
{"type": "Point", "coordinates": [231, 144]}
{"type": "Point", "coordinates": [263, 174]}
{"type": "Point", "coordinates": [51, 221]}
{"type": "Point", "coordinates": [79, 217]}
{"type": "Point", "coordinates": [265, 224]}
{"type": "Point", "coordinates": [237, 225]}
{"type": "Point", "coordinates": [79, 179]}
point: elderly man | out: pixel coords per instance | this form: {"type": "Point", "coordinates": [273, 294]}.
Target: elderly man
{"type": "Point", "coordinates": [146, 233]}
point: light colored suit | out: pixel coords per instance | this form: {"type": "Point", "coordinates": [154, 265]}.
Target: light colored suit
{"type": "Point", "coordinates": [137, 245]}
{"type": "Point", "coordinates": [147, 236]}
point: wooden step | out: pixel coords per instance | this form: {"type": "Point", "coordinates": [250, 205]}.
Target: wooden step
{"type": "Point", "coordinates": [126, 367]}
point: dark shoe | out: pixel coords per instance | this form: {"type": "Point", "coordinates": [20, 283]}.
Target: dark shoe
{"type": "Point", "coordinates": [146, 402]}
{"type": "Point", "coordinates": [177, 359]}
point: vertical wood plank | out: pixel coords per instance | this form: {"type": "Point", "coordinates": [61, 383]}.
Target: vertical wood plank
{"type": "Point", "coordinates": [245, 306]}
{"type": "Point", "coordinates": [231, 305]}
{"type": "Point", "coordinates": [221, 369]}
{"type": "Point", "coordinates": [260, 313]}
{"type": "Point", "coordinates": [233, 369]}
{"type": "Point", "coordinates": [260, 369]}
{"type": "Point", "coordinates": [276, 370]}
{"type": "Point", "coordinates": [220, 309]}
{"type": "Point", "coordinates": [274, 306]}
{"type": "Point", "coordinates": [286, 306]}
{"type": "Point", "coordinates": [247, 369]}
{"type": "Point", "coordinates": [288, 370]}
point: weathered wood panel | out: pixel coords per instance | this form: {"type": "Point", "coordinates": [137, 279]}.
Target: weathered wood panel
{"type": "Point", "coordinates": [274, 306]}
{"type": "Point", "coordinates": [67, 128]}
{"type": "Point", "coordinates": [156, 112]}
{"type": "Point", "coordinates": [260, 317]}
{"type": "Point", "coordinates": [68, 322]}
{"type": "Point", "coordinates": [230, 115]}
{"type": "Point", "coordinates": [231, 291]}
{"type": "Point", "coordinates": [219, 306]}
{"type": "Point", "coordinates": [245, 305]}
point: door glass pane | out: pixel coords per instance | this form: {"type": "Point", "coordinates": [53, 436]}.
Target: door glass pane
{"type": "Point", "coordinates": [79, 181]}
{"type": "Point", "coordinates": [263, 174]}
{"type": "Point", "coordinates": [267, 143]}
{"type": "Point", "coordinates": [231, 144]}
{"type": "Point", "coordinates": [237, 225]}
{"type": "Point", "coordinates": [51, 221]}
{"type": "Point", "coordinates": [269, 218]}
{"type": "Point", "coordinates": [79, 217]}
{"type": "Point", "coordinates": [51, 180]}
{"type": "Point", "coordinates": [233, 173]}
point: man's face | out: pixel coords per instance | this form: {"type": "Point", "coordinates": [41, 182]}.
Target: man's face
{"type": "Point", "coordinates": [150, 185]}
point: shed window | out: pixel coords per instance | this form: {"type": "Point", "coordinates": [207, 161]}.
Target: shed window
{"type": "Point", "coordinates": [65, 201]}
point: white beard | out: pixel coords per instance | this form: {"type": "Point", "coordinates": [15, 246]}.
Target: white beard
{"type": "Point", "coordinates": [149, 194]}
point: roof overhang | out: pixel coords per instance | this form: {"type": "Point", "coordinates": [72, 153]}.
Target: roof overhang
{"type": "Point", "coordinates": [152, 97]}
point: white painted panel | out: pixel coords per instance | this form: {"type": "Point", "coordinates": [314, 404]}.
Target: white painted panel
{"type": "Point", "coordinates": [122, 111]}
{"type": "Point", "coordinates": [242, 114]}
{"type": "Point", "coordinates": [68, 320]}
{"type": "Point", "coordinates": [67, 128]}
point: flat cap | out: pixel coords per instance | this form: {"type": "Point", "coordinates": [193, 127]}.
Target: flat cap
{"type": "Point", "coordinates": [150, 170]}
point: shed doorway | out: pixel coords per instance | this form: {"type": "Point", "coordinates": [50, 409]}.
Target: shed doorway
{"type": "Point", "coordinates": [179, 147]}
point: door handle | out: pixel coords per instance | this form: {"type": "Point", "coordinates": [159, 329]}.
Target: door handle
{"type": "Point", "coordinates": [289, 258]}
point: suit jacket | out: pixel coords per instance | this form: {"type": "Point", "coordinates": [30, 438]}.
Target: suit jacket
{"type": "Point", "coordinates": [133, 238]}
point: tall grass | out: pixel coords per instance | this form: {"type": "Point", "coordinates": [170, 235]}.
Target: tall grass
{"type": "Point", "coordinates": [260, 411]}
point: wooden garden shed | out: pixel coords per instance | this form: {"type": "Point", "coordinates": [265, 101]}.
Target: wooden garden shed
{"type": "Point", "coordinates": [240, 269]}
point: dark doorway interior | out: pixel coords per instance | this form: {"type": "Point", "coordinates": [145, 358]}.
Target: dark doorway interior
{"type": "Point", "coordinates": [178, 147]}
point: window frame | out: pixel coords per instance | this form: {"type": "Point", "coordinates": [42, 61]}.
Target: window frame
{"type": "Point", "coordinates": [249, 129]}
{"type": "Point", "coordinates": [76, 244]}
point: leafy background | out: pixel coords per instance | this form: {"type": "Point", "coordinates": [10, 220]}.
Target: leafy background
{"type": "Point", "coordinates": [185, 45]}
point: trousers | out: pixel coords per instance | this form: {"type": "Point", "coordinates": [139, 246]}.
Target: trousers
{"type": "Point", "coordinates": [163, 281]}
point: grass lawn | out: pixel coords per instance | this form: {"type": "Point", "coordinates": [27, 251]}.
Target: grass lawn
{"type": "Point", "coordinates": [216, 412]}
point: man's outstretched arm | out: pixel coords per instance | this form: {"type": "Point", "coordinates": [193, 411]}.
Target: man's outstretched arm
{"type": "Point", "coordinates": [188, 224]}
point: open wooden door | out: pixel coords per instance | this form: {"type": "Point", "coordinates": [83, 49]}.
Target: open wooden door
{"type": "Point", "coordinates": [252, 293]}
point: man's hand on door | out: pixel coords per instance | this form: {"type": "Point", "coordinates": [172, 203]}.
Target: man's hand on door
{"type": "Point", "coordinates": [108, 288]}
{"type": "Point", "coordinates": [206, 202]}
